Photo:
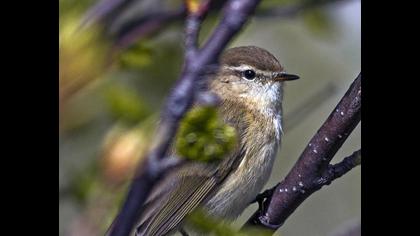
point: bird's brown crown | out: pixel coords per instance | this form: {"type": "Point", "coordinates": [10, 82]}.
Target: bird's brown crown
{"type": "Point", "coordinates": [250, 55]}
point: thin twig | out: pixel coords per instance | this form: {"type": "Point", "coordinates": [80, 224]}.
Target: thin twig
{"type": "Point", "coordinates": [192, 28]}
{"type": "Point", "coordinates": [337, 170]}
{"type": "Point", "coordinates": [146, 26]}
{"type": "Point", "coordinates": [103, 9]}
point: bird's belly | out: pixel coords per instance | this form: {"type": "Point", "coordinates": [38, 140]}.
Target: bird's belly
{"type": "Point", "coordinates": [243, 185]}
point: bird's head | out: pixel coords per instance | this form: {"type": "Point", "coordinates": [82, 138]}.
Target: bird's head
{"type": "Point", "coordinates": [252, 76]}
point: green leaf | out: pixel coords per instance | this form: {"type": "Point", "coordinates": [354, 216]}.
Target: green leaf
{"type": "Point", "coordinates": [202, 136]}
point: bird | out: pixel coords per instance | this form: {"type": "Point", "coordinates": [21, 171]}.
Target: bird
{"type": "Point", "coordinates": [249, 84]}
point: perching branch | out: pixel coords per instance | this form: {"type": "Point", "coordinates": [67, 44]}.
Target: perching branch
{"type": "Point", "coordinates": [313, 169]}
{"type": "Point", "coordinates": [183, 95]}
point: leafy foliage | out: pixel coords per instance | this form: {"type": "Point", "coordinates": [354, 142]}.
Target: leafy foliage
{"type": "Point", "coordinates": [203, 136]}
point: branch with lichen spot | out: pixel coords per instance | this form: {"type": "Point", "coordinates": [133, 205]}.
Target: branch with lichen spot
{"type": "Point", "coordinates": [183, 95]}
{"type": "Point", "coordinates": [313, 169]}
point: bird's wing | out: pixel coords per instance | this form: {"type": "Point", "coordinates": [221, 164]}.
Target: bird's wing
{"type": "Point", "coordinates": [182, 192]}
{"type": "Point", "coordinates": [154, 200]}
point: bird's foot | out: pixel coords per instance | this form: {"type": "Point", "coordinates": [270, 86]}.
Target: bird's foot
{"type": "Point", "coordinates": [260, 198]}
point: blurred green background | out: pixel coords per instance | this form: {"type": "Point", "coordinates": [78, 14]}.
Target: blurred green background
{"type": "Point", "coordinates": [110, 98]}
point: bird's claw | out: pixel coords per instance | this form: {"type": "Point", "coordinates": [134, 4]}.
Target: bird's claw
{"type": "Point", "coordinates": [260, 198]}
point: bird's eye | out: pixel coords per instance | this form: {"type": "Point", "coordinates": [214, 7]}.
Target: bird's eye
{"type": "Point", "coordinates": [249, 74]}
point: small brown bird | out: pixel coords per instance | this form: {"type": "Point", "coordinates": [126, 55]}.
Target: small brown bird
{"type": "Point", "coordinates": [249, 83]}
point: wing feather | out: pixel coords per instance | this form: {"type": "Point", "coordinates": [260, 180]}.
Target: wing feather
{"type": "Point", "coordinates": [189, 204]}
{"type": "Point", "coordinates": [188, 191]}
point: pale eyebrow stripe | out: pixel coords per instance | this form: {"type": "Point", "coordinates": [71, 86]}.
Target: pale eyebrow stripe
{"type": "Point", "coordinates": [247, 67]}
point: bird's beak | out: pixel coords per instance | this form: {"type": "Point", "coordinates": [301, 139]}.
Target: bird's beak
{"type": "Point", "coordinates": [283, 76]}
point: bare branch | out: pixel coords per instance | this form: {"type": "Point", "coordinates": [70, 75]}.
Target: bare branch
{"type": "Point", "coordinates": [179, 102]}
{"type": "Point", "coordinates": [336, 171]}
{"type": "Point", "coordinates": [312, 170]}
{"type": "Point", "coordinates": [145, 26]}
{"type": "Point", "coordinates": [192, 28]}
{"type": "Point", "coordinates": [103, 8]}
